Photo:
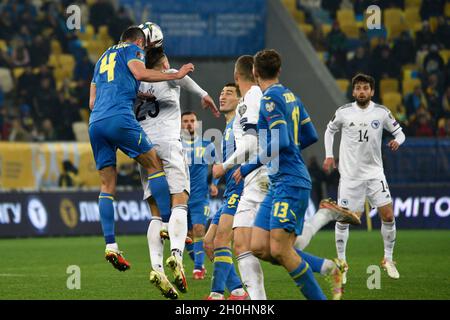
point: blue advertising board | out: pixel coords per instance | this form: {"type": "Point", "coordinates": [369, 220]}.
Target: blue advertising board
{"type": "Point", "coordinates": [205, 28]}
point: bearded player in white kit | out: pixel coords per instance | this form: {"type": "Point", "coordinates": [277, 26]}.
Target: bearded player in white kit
{"type": "Point", "coordinates": [158, 112]}
{"type": "Point", "coordinates": [361, 167]}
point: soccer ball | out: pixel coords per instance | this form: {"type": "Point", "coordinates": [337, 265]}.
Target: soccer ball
{"type": "Point", "coordinates": [153, 34]}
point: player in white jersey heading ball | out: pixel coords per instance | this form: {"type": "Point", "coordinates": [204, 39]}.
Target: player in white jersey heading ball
{"type": "Point", "coordinates": [360, 163]}
{"type": "Point", "coordinates": [158, 111]}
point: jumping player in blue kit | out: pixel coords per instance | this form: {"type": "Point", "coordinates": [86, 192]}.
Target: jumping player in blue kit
{"type": "Point", "coordinates": [280, 218]}
{"type": "Point", "coordinates": [200, 155]}
{"type": "Point", "coordinates": [112, 126]}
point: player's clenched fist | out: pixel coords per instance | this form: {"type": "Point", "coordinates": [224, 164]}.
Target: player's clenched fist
{"type": "Point", "coordinates": [328, 164]}
{"type": "Point", "coordinates": [393, 144]}
{"type": "Point", "coordinates": [185, 69]}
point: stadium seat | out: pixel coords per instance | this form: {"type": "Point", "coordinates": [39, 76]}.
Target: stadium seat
{"type": "Point", "coordinates": [326, 28]}
{"type": "Point", "coordinates": [409, 84]}
{"type": "Point", "coordinates": [412, 17]}
{"type": "Point", "coordinates": [447, 9]}
{"type": "Point", "coordinates": [17, 72]}
{"type": "Point", "coordinates": [433, 23]}
{"type": "Point", "coordinates": [392, 16]}
{"type": "Point", "coordinates": [351, 30]}
{"type": "Point", "coordinates": [67, 62]}
{"type": "Point", "coordinates": [445, 54]}
{"type": "Point", "coordinates": [388, 85]}
{"type": "Point", "coordinates": [343, 84]}
{"type": "Point", "coordinates": [6, 80]}
{"type": "Point", "coordinates": [391, 100]}
{"type": "Point", "coordinates": [306, 28]}
{"type": "Point", "coordinates": [290, 4]}
{"type": "Point", "coordinates": [55, 47]}
{"type": "Point", "coordinates": [408, 70]}
{"type": "Point", "coordinates": [3, 45]}
{"type": "Point", "coordinates": [88, 33]}
{"type": "Point", "coordinates": [345, 16]}
{"type": "Point", "coordinates": [299, 16]}
{"type": "Point", "coordinates": [103, 32]}
{"type": "Point", "coordinates": [81, 131]}
{"type": "Point", "coordinates": [413, 3]}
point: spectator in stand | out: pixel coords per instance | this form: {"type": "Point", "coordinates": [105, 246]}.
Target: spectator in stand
{"type": "Point", "coordinates": [433, 96]}
{"type": "Point", "coordinates": [40, 51]}
{"type": "Point", "coordinates": [425, 38]}
{"type": "Point", "coordinates": [101, 13]}
{"type": "Point", "coordinates": [119, 23]}
{"type": "Point", "coordinates": [47, 131]}
{"type": "Point", "coordinates": [431, 8]}
{"type": "Point", "coordinates": [336, 68]}
{"type": "Point", "coordinates": [443, 33]}
{"type": "Point", "coordinates": [359, 63]}
{"type": "Point", "coordinates": [337, 43]}
{"type": "Point", "coordinates": [446, 103]}
{"type": "Point", "coordinates": [83, 69]}
{"type": "Point", "coordinates": [422, 123]}
{"type": "Point", "coordinates": [404, 49]}
{"type": "Point", "coordinates": [46, 104]}
{"type": "Point", "coordinates": [18, 133]}
{"type": "Point", "coordinates": [414, 100]}
{"type": "Point", "coordinates": [6, 26]}
{"type": "Point", "coordinates": [27, 85]}
{"type": "Point", "coordinates": [46, 73]}
{"type": "Point", "coordinates": [433, 61]}
{"type": "Point", "coordinates": [444, 128]}
{"type": "Point", "coordinates": [20, 56]}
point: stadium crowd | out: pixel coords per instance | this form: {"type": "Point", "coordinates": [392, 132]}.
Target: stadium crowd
{"type": "Point", "coordinates": [411, 49]}
{"type": "Point", "coordinates": [46, 68]}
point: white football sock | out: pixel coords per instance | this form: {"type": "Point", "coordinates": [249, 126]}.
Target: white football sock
{"type": "Point", "coordinates": [326, 267]}
{"type": "Point", "coordinates": [155, 244]}
{"type": "Point", "coordinates": [112, 246]}
{"type": "Point", "coordinates": [341, 232]}
{"type": "Point", "coordinates": [252, 275]}
{"type": "Point", "coordinates": [388, 231]}
{"type": "Point", "coordinates": [178, 230]}
{"type": "Point", "coordinates": [312, 226]}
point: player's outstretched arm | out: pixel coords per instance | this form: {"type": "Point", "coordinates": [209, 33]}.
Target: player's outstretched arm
{"type": "Point", "coordinates": [139, 71]}
{"type": "Point", "coordinates": [92, 94]}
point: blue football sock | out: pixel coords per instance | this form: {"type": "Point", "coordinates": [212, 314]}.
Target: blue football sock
{"type": "Point", "coordinates": [106, 208]}
{"type": "Point", "coordinates": [190, 251]}
{"type": "Point", "coordinates": [159, 187]}
{"type": "Point", "coordinates": [304, 279]}
{"type": "Point", "coordinates": [223, 262]}
{"type": "Point", "coordinates": [199, 253]}
{"type": "Point", "coordinates": [314, 262]}
{"type": "Point", "coordinates": [233, 281]}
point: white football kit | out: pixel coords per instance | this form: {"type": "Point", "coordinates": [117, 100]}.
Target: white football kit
{"type": "Point", "coordinates": [360, 163]}
{"type": "Point", "coordinates": [161, 120]}
{"type": "Point", "coordinates": [256, 183]}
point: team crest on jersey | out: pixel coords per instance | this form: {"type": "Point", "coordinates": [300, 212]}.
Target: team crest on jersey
{"type": "Point", "coordinates": [242, 109]}
{"type": "Point", "coordinates": [344, 202]}
{"type": "Point", "coordinates": [375, 124]}
{"type": "Point", "coordinates": [270, 106]}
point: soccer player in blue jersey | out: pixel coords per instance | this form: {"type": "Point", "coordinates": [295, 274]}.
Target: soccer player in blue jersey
{"type": "Point", "coordinates": [282, 122]}
{"type": "Point", "coordinates": [200, 155]}
{"type": "Point", "coordinates": [221, 226]}
{"type": "Point", "coordinates": [112, 126]}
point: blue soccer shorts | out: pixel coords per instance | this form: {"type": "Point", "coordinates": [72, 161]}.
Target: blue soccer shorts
{"type": "Point", "coordinates": [283, 208]}
{"type": "Point", "coordinates": [117, 132]}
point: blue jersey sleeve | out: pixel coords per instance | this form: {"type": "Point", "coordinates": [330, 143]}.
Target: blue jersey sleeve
{"type": "Point", "coordinates": [271, 110]}
{"type": "Point", "coordinates": [308, 133]}
{"type": "Point", "coordinates": [134, 53]}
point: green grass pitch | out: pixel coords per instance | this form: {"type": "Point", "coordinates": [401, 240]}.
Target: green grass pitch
{"type": "Point", "coordinates": [36, 268]}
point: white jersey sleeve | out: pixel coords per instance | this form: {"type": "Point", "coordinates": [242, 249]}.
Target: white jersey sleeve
{"type": "Point", "coordinates": [187, 83]}
{"type": "Point", "coordinates": [390, 124]}
{"type": "Point", "coordinates": [249, 109]}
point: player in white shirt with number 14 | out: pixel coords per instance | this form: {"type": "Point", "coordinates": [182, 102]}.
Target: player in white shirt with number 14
{"type": "Point", "coordinates": [360, 164]}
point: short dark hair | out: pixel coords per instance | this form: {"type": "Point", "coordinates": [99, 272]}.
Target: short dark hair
{"type": "Point", "coordinates": [152, 59]}
{"type": "Point", "coordinates": [361, 77]}
{"type": "Point", "coordinates": [267, 63]}
{"type": "Point", "coordinates": [234, 85]}
{"type": "Point", "coordinates": [187, 113]}
{"type": "Point", "coordinates": [244, 66]}
{"type": "Point", "coordinates": [132, 33]}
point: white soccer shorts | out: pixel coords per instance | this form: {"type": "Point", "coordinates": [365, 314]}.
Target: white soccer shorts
{"type": "Point", "coordinates": [352, 194]}
{"type": "Point", "coordinates": [255, 190]}
{"type": "Point", "coordinates": [174, 164]}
